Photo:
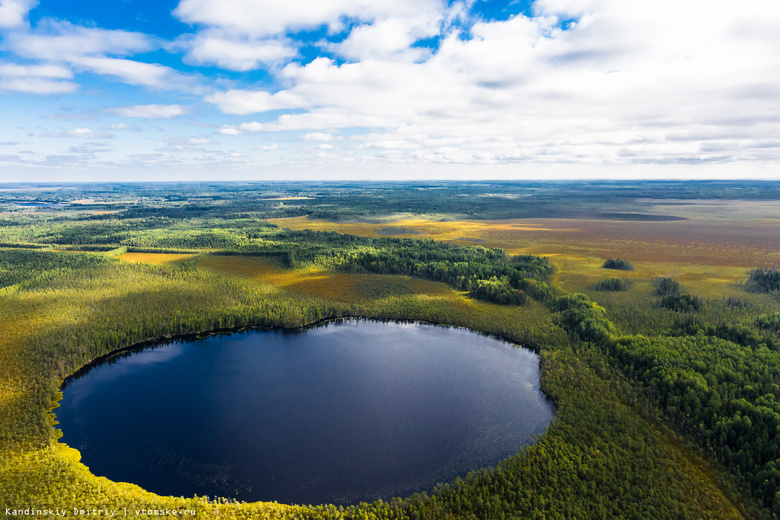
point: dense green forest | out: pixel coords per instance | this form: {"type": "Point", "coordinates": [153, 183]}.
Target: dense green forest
{"type": "Point", "coordinates": [668, 406]}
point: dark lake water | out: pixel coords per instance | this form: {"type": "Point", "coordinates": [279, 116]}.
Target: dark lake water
{"type": "Point", "coordinates": [345, 412]}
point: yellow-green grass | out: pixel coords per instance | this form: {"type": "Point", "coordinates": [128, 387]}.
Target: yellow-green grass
{"type": "Point", "coordinates": [325, 283]}
{"type": "Point", "coordinates": [154, 258]}
{"type": "Point", "coordinates": [710, 257]}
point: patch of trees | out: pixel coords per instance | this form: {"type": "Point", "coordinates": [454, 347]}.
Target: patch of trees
{"type": "Point", "coordinates": [497, 291]}
{"type": "Point", "coordinates": [681, 303]}
{"type": "Point", "coordinates": [769, 322]}
{"type": "Point", "coordinates": [583, 318]}
{"type": "Point", "coordinates": [617, 263]}
{"type": "Point", "coordinates": [612, 284]}
{"type": "Point", "coordinates": [764, 280]}
{"type": "Point", "coordinates": [30, 266]}
{"type": "Point", "coordinates": [488, 274]}
{"type": "Point", "coordinates": [665, 286]}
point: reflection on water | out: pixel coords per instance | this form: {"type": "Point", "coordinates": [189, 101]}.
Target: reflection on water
{"type": "Point", "coordinates": [346, 412]}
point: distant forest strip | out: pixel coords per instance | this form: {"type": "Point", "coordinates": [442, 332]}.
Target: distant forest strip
{"type": "Point", "coordinates": [343, 201]}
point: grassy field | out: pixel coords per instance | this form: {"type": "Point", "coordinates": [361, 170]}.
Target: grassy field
{"type": "Point", "coordinates": [154, 258]}
{"type": "Point", "coordinates": [711, 250]}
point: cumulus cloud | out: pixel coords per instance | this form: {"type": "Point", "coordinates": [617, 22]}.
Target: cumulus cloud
{"type": "Point", "coordinates": [242, 102]}
{"type": "Point", "coordinates": [229, 130]}
{"type": "Point", "coordinates": [14, 12]}
{"type": "Point", "coordinates": [388, 37]}
{"type": "Point", "coordinates": [268, 17]}
{"type": "Point", "coordinates": [240, 54]}
{"type": "Point", "coordinates": [254, 126]}
{"type": "Point", "coordinates": [130, 71]}
{"type": "Point", "coordinates": [36, 79]}
{"type": "Point", "coordinates": [90, 49]}
{"type": "Point", "coordinates": [584, 81]}
{"type": "Point", "coordinates": [56, 40]}
{"type": "Point", "coordinates": [150, 111]}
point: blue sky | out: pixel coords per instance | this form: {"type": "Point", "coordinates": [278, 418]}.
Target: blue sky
{"type": "Point", "coordinates": [409, 89]}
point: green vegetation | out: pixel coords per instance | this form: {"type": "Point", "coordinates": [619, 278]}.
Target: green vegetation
{"type": "Point", "coordinates": [617, 263]}
{"type": "Point", "coordinates": [681, 302]}
{"type": "Point", "coordinates": [764, 280]}
{"type": "Point", "coordinates": [667, 399]}
{"type": "Point", "coordinates": [666, 286]}
{"type": "Point", "coordinates": [612, 284]}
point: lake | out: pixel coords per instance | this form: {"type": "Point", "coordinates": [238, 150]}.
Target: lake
{"type": "Point", "coordinates": [347, 411]}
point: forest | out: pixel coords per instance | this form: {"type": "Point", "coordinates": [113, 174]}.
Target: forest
{"type": "Point", "coordinates": [666, 379]}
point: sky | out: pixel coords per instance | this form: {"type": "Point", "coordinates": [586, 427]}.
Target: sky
{"type": "Point", "coordinates": [123, 90]}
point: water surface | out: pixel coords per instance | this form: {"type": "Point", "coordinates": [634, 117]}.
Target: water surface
{"type": "Point", "coordinates": [345, 412]}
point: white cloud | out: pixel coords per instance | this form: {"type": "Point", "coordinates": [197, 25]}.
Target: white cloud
{"type": "Point", "coordinates": [150, 111]}
{"type": "Point", "coordinates": [13, 12]}
{"type": "Point", "coordinates": [82, 133]}
{"type": "Point", "coordinates": [242, 102]}
{"type": "Point", "coordinates": [622, 77]}
{"type": "Point", "coordinates": [584, 82]}
{"type": "Point", "coordinates": [265, 17]}
{"type": "Point", "coordinates": [36, 79]}
{"type": "Point", "coordinates": [254, 126]}
{"type": "Point", "coordinates": [62, 41]}
{"type": "Point", "coordinates": [95, 50]}
{"type": "Point", "coordinates": [228, 130]}
{"type": "Point", "coordinates": [240, 54]}
{"type": "Point", "coordinates": [40, 86]}
{"type": "Point", "coordinates": [130, 71]}
{"type": "Point", "coordinates": [199, 140]}
{"type": "Point", "coordinates": [318, 136]}
{"type": "Point", "coordinates": [123, 126]}
{"type": "Point", "coordinates": [45, 71]}
{"type": "Point", "coordinates": [268, 147]}
{"type": "Point", "coordinates": [388, 37]}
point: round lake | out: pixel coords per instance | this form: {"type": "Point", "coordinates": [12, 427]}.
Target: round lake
{"type": "Point", "coordinates": [345, 412]}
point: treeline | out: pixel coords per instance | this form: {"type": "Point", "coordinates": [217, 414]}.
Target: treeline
{"type": "Point", "coordinates": [488, 274]}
